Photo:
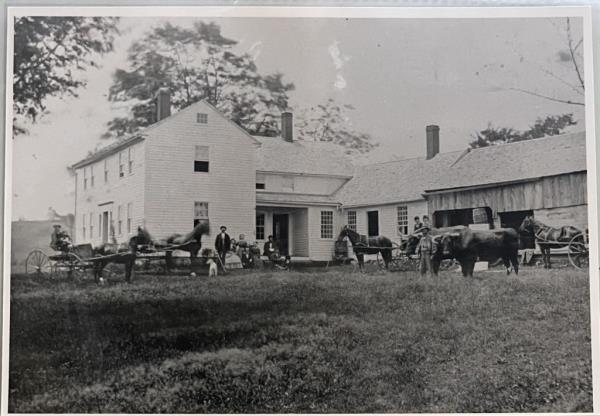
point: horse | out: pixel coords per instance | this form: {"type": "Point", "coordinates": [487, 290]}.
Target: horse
{"type": "Point", "coordinates": [103, 257]}
{"type": "Point", "coordinates": [362, 245]}
{"type": "Point", "coordinates": [548, 237]}
{"type": "Point", "coordinates": [190, 242]}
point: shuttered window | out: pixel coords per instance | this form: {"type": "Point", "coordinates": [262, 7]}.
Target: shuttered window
{"type": "Point", "coordinates": [85, 177]}
{"type": "Point", "coordinates": [106, 171]}
{"type": "Point", "coordinates": [121, 167]}
{"type": "Point", "coordinates": [129, 216]}
{"type": "Point", "coordinates": [130, 160]}
{"type": "Point", "coordinates": [83, 228]}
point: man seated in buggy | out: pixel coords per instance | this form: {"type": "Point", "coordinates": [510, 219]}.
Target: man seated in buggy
{"type": "Point", "coordinates": [60, 240]}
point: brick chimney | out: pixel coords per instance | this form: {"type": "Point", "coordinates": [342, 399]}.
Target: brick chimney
{"type": "Point", "coordinates": [163, 103]}
{"type": "Point", "coordinates": [287, 126]}
{"type": "Point", "coordinates": [433, 141]}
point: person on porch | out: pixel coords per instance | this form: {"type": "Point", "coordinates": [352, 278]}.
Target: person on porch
{"type": "Point", "coordinates": [270, 249]}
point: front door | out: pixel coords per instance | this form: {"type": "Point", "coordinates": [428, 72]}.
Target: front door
{"type": "Point", "coordinates": [373, 223]}
{"type": "Point", "coordinates": [281, 233]}
{"type": "Point", "coordinates": [105, 227]}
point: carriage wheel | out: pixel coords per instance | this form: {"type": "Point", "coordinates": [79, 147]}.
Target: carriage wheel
{"type": "Point", "coordinates": [37, 263]}
{"type": "Point", "coordinates": [579, 252]}
{"type": "Point", "coordinates": [448, 264]}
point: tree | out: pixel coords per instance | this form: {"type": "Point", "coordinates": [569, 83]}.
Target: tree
{"type": "Point", "coordinates": [330, 122]}
{"type": "Point", "coordinates": [196, 64]}
{"type": "Point", "coordinates": [50, 54]}
{"type": "Point", "coordinates": [570, 56]}
{"type": "Point", "coordinates": [549, 126]}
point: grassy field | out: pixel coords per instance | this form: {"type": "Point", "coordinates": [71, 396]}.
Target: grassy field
{"type": "Point", "coordinates": [314, 341]}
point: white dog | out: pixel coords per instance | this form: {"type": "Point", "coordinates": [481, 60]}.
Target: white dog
{"type": "Point", "coordinates": [212, 268]}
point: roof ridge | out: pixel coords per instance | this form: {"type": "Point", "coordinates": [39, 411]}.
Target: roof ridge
{"type": "Point", "coordinates": [410, 158]}
{"type": "Point", "coordinates": [552, 136]}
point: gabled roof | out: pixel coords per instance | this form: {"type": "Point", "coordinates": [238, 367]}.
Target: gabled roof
{"type": "Point", "coordinates": [301, 157]}
{"type": "Point", "coordinates": [529, 159]}
{"type": "Point", "coordinates": [395, 181]}
{"type": "Point", "coordinates": [123, 143]}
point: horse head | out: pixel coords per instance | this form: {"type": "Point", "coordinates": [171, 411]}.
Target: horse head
{"type": "Point", "coordinates": [527, 225]}
{"type": "Point", "coordinates": [199, 230]}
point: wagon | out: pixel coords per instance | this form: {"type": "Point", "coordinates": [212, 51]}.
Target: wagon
{"type": "Point", "coordinates": [402, 261]}
{"type": "Point", "coordinates": [73, 263]}
{"type": "Point", "coordinates": [579, 250]}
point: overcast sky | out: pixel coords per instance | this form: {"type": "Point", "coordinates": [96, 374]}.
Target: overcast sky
{"type": "Point", "coordinates": [399, 74]}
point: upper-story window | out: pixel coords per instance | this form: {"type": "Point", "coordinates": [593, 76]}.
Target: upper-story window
{"type": "Point", "coordinates": [200, 212]}
{"type": "Point", "coordinates": [121, 167]}
{"type": "Point", "coordinates": [92, 176]}
{"type": "Point", "coordinates": [130, 159]}
{"type": "Point", "coordinates": [201, 159]}
{"type": "Point", "coordinates": [85, 177]}
{"type": "Point", "coordinates": [105, 170]}
{"type": "Point", "coordinates": [260, 181]}
{"type": "Point", "coordinates": [202, 118]}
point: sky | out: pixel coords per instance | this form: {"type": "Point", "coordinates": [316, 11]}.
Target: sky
{"type": "Point", "coordinates": [399, 75]}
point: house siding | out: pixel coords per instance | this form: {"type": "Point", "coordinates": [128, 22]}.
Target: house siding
{"type": "Point", "coordinates": [300, 233]}
{"type": "Point", "coordinates": [321, 249]}
{"type": "Point", "coordinates": [388, 215]}
{"type": "Point", "coordinates": [172, 186]}
{"type": "Point", "coordinates": [107, 196]}
{"type": "Point", "coordinates": [315, 185]}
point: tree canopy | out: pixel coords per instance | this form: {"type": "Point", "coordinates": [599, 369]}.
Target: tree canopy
{"type": "Point", "coordinates": [549, 126]}
{"type": "Point", "coordinates": [196, 63]}
{"type": "Point", "coordinates": [50, 54]}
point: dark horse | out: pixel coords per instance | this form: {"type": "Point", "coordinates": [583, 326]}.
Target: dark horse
{"type": "Point", "coordinates": [190, 242]}
{"type": "Point", "coordinates": [548, 237]}
{"type": "Point", "coordinates": [362, 245]}
{"type": "Point", "coordinates": [115, 253]}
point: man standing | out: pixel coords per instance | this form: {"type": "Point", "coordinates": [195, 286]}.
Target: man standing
{"type": "Point", "coordinates": [223, 245]}
{"type": "Point", "coordinates": [426, 250]}
{"type": "Point", "coordinates": [418, 224]}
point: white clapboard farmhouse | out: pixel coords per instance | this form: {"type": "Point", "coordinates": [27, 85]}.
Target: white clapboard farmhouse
{"type": "Point", "coordinates": [197, 165]}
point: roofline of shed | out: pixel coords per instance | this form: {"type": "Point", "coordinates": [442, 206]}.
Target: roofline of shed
{"type": "Point", "coordinates": [375, 204]}
{"type": "Point", "coordinates": [102, 153]}
{"type": "Point", "coordinates": [494, 184]}
{"type": "Point", "coordinates": [337, 176]}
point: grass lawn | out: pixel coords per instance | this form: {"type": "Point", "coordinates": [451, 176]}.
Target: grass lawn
{"type": "Point", "coordinates": [314, 341]}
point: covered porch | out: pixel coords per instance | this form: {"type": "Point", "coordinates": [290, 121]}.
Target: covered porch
{"type": "Point", "coordinates": [288, 226]}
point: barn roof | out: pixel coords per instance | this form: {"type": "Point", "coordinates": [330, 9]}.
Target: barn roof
{"type": "Point", "coordinates": [301, 156]}
{"type": "Point", "coordinates": [530, 159]}
{"type": "Point", "coordinates": [395, 181]}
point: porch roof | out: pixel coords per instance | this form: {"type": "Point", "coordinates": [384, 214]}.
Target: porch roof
{"type": "Point", "coordinates": [283, 198]}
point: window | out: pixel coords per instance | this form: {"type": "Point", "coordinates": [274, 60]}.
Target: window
{"type": "Point", "coordinates": [106, 171]}
{"type": "Point", "coordinates": [130, 160]}
{"type": "Point", "coordinates": [201, 159]}
{"type": "Point", "coordinates": [260, 226]}
{"type": "Point", "coordinates": [352, 220]}
{"type": "Point", "coordinates": [91, 225]}
{"type": "Point", "coordinates": [129, 208]}
{"type": "Point", "coordinates": [83, 228]}
{"type": "Point", "coordinates": [121, 171]}
{"type": "Point", "coordinates": [120, 219]}
{"type": "Point", "coordinates": [85, 178]}
{"type": "Point", "coordinates": [402, 219]}
{"type": "Point", "coordinates": [260, 181]}
{"type": "Point", "coordinates": [326, 224]}
{"type": "Point", "coordinates": [92, 176]}
{"type": "Point", "coordinates": [287, 183]}
{"type": "Point", "coordinates": [200, 212]}
{"type": "Point", "coordinates": [202, 118]}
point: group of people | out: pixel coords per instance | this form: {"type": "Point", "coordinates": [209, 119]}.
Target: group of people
{"type": "Point", "coordinates": [224, 243]}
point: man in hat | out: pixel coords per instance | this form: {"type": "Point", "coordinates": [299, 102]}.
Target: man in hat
{"type": "Point", "coordinates": [60, 240]}
{"type": "Point", "coordinates": [223, 244]}
{"type": "Point", "coordinates": [426, 250]}
{"type": "Point", "coordinates": [270, 249]}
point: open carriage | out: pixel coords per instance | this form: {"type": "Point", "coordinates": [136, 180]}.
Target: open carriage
{"type": "Point", "coordinates": [72, 263]}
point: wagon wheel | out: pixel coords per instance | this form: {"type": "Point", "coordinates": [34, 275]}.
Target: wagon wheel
{"type": "Point", "coordinates": [579, 252]}
{"type": "Point", "coordinates": [37, 263]}
{"type": "Point", "coordinates": [448, 264]}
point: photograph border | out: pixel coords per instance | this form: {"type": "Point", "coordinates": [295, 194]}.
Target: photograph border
{"type": "Point", "coordinates": [585, 12]}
